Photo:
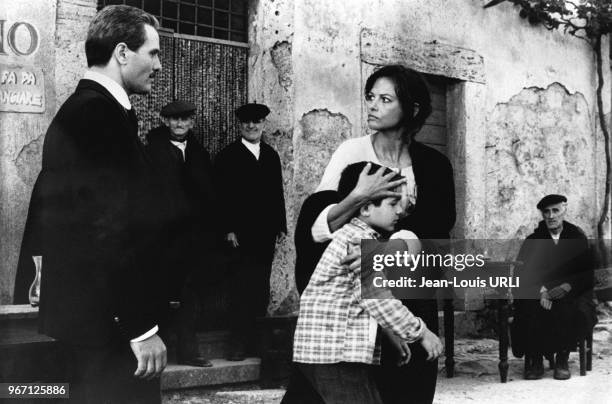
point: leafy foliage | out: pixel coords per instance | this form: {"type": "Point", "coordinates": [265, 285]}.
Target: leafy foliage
{"type": "Point", "coordinates": [586, 19]}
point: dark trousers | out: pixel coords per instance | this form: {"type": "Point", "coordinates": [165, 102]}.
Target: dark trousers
{"type": "Point", "coordinates": [411, 383]}
{"type": "Point", "coordinates": [182, 321]}
{"type": "Point", "coordinates": [337, 383]}
{"type": "Point", "coordinates": [559, 329]}
{"type": "Point", "coordinates": [105, 375]}
{"type": "Point", "coordinates": [249, 291]}
{"type": "Point", "coordinates": [414, 382]}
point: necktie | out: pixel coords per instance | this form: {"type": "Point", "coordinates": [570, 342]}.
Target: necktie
{"type": "Point", "coordinates": [178, 153]}
{"type": "Point", "coordinates": [132, 118]}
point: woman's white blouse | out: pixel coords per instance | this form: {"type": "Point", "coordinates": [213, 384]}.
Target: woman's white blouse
{"type": "Point", "coordinates": [349, 152]}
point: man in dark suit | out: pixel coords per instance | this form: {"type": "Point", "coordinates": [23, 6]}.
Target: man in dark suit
{"type": "Point", "coordinates": [101, 290]}
{"type": "Point", "coordinates": [558, 269]}
{"type": "Point", "coordinates": [185, 170]}
{"type": "Point", "coordinates": [249, 179]}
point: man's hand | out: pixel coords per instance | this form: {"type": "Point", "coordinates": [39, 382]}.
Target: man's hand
{"type": "Point", "coordinates": [377, 185]}
{"type": "Point", "coordinates": [151, 357]}
{"type": "Point", "coordinates": [545, 300]}
{"type": "Point", "coordinates": [432, 345]}
{"type": "Point", "coordinates": [559, 291]}
{"type": "Point", "coordinates": [232, 239]}
{"type": "Point", "coordinates": [400, 345]}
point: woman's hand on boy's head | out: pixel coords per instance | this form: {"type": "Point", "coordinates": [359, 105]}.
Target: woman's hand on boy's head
{"type": "Point", "coordinates": [377, 185]}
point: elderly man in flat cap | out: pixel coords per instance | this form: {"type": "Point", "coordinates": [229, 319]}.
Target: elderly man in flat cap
{"type": "Point", "coordinates": [186, 174]}
{"type": "Point", "coordinates": [249, 179]}
{"type": "Point", "coordinates": [554, 307]}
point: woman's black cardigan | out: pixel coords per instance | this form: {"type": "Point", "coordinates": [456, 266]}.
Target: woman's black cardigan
{"type": "Point", "coordinates": [433, 217]}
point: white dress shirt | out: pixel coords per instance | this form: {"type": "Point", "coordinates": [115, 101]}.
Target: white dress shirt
{"type": "Point", "coordinates": [253, 147]}
{"type": "Point", "coordinates": [353, 151]}
{"type": "Point", "coordinates": [111, 86]}
{"type": "Point", "coordinates": [181, 146]}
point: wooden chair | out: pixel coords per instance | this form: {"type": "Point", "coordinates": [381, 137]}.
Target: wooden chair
{"type": "Point", "coordinates": [585, 352]}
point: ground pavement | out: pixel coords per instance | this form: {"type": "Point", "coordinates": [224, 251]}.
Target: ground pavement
{"type": "Point", "coordinates": [477, 379]}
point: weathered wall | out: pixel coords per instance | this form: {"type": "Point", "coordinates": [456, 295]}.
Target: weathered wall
{"type": "Point", "coordinates": [21, 131]}
{"type": "Point", "coordinates": [60, 28]}
{"type": "Point", "coordinates": [539, 142]}
{"type": "Point", "coordinates": [521, 127]}
{"type": "Point", "coordinates": [271, 81]}
{"type": "Point", "coordinates": [307, 63]}
{"type": "Point", "coordinates": [73, 17]}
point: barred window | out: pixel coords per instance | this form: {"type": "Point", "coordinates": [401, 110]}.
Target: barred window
{"type": "Point", "coordinates": [221, 19]}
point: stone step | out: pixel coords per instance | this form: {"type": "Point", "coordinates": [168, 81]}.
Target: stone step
{"type": "Point", "coordinates": [272, 396]}
{"type": "Point", "coordinates": [222, 372]}
{"type": "Point", "coordinates": [241, 394]}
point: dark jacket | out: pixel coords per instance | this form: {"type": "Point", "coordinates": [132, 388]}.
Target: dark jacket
{"type": "Point", "coordinates": [189, 210]}
{"type": "Point", "coordinates": [95, 200]}
{"type": "Point", "coordinates": [432, 218]}
{"type": "Point", "coordinates": [548, 264]}
{"type": "Point", "coordinates": [187, 183]}
{"type": "Point", "coordinates": [535, 330]}
{"type": "Point", "coordinates": [251, 194]}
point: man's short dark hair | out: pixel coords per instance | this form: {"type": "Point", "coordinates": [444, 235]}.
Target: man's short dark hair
{"type": "Point", "coordinates": [112, 25]}
{"type": "Point", "coordinates": [350, 177]}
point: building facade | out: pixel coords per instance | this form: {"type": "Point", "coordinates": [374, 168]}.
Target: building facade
{"type": "Point", "coordinates": [514, 104]}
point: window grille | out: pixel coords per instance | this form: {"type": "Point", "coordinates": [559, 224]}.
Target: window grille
{"type": "Point", "coordinates": [220, 19]}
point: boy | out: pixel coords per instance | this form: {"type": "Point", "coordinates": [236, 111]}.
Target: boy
{"type": "Point", "coordinates": [335, 339]}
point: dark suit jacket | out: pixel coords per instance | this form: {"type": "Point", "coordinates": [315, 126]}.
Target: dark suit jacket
{"type": "Point", "coordinates": [549, 264]}
{"type": "Point", "coordinates": [95, 208]}
{"type": "Point", "coordinates": [190, 208]}
{"type": "Point", "coordinates": [251, 195]}
{"type": "Point", "coordinates": [433, 217]}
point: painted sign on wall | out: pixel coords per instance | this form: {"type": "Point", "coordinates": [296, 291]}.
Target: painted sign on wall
{"type": "Point", "coordinates": [22, 89]}
{"type": "Point", "coordinates": [21, 38]}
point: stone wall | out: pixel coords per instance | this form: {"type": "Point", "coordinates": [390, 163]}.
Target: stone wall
{"type": "Point", "coordinates": [73, 17]}
{"type": "Point", "coordinates": [539, 142]}
{"type": "Point", "coordinates": [521, 103]}
{"type": "Point", "coordinates": [272, 82]}
{"type": "Point", "coordinates": [60, 29]}
{"type": "Point", "coordinates": [21, 130]}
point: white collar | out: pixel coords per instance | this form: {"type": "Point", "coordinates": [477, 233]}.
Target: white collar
{"type": "Point", "coordinates": [111, 86]}
{"type": "Point", "coordinates": [252, 147]}
{"type": "Point", "coordinates": [180, 145]}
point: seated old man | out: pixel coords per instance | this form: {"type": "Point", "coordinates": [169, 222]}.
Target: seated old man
{"type": "Point", "coordinates": [558, 269]}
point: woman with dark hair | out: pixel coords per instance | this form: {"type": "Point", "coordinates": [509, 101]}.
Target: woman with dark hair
{"type": "Point", "coordinates": [398, 104]}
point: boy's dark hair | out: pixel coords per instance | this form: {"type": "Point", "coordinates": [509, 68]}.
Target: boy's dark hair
{"type": "Point", "coordinates": [112, 25]}
{"type": "Point", "coordinates": [350, 177]}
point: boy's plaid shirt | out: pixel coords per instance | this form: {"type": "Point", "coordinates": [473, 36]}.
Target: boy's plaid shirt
{"type": "Point", "coordinates": [335, 323]}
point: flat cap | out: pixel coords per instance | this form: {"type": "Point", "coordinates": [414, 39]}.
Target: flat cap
{"type": "Point", "coordinates": [252, 112]}
{"type": "Point", "coordinates": [178, 108]}
{"type": "Point", "coordinates": [551, 199]}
